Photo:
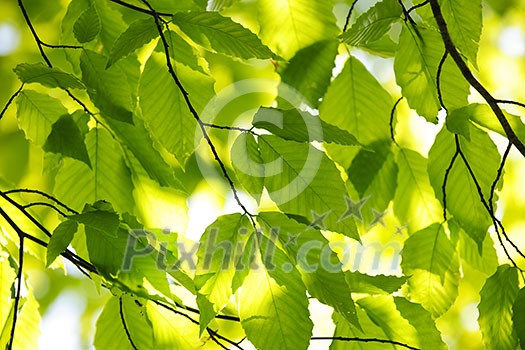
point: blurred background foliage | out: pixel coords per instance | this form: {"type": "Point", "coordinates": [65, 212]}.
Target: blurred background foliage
{"type": "Point", "coordinates": [69, 303]}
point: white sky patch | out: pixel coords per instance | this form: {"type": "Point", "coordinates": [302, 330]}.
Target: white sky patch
{"type": "Point", "coordinates": [512, 41]}
{"type": "Point", "coordinates": [9, 39]}
{"type": "Point", "coordinates": [60, 327]}
{"type": "Point", "coordinates": [469, 317]}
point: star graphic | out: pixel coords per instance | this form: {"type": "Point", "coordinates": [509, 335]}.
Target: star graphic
{"type": "Point", "coordinates": [378, 218]}
{"type": "Point", "coordinates": [318, 220]}
{"type": "Point", "coordinates": [353, 209]}
{"type": "Point", "coordinates": [291, 240]}
{"type": "Point", "coordinates": [399, 230]}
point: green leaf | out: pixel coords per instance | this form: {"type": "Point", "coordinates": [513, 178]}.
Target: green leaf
{"type": "Point", "coordinates": [357, 103]}
{"type": "Point", "coordinates": [458, 122]}
{"type": "Point", "coordinates": [495, 309]}
{"type": "Point", "coordinates": [36, 115]}
{"type": "Point", "coordinates": [486, 262]}
{"type": "Point", "coordinates": [109, 89]}
{"type": "Point", "coordinates": [167, 116]}
{"type": "Point", "coordinates": [87, 26]}
{"type": "Point", "coordinates": [7, 279]}
{"type": "Point", "coordinates": [310, 70]}
{"type": "Point", "coordinates": [464, 22]}
{"type": "Point", "coordinates": [482, 115]}
{"type": "Point", "coordinates": [120, 312]}
{"type": "Point", "coordinates": [373, 24]}
{"type": "Point", "coordinates": [288, 26]}
{"type": "Point", "coordinates": [66, 139]}
{"type": "Point", "coordinates": [98, 219]}
{"type": "Point", "coordinates": [50, 77]}
{"type": "Point", "coordinates": [62, 236]}
{"type": "Point", "coordinates": [219, 251]}
{"type": "Point", "coordinates": [421, 320]}
{"type": "Point", "coordinates": [302, 180]}
{"type": "Point", "coordinates": [383, 311]}
{"type": "Point", "coordinates": [220, 34]}
{"type": "Point", "coordinates": [378, 284]}
{"type": "Point", "coordinates": [277, 317]}
{"type": "Point", "coordinates": [171, 6]}
{"type": "Point", "coordinates": [463, 200]}
{"type": "Point", "coordinates": [416, 65]}
{"type": "Point", "coordinates": [300, 126]}
{"type": "Point", "coordinates": [108, 179]}
{"type": "Point", "coordinates": [373, 174]}
{"type": "Point", "coordinates": [518, 316]}
{"type": "Point", "coordinates": [171, 330]}
{"type": "Point", "coordinates": [430, 259]}
{"type": "Point", "coordinates": [344, 329]}
{"type": "Point", "coordinates": [318, 265]}
{"type": "Point", "coordinates": [414, 201]}
{"type": "Point", "coordinates": [28, 324]}
{"type": "Point", "coordinates": [248, 165]}
{"type": "Point", "coordinates": [137, 35]}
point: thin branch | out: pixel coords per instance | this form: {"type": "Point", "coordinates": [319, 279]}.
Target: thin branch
{"type": "Point", "coordinates": [19, 276]}
{"type": "Point", "coordinates": [225, 127]}
{"type": "Point", "coordinates": [391, 123]}
{"type": "Point", "coordinates": [123, 320]}
{"type": "Point", "coordinates": [150, 12]}
{"type": "Point", "coordinates": [467, 74]}
{"type": "Point", "coordinates": [10, 101]}
{"type": "Point", "coordinates": [45, 204]}
{"type": "Point", "coordinates": [424, 3]}
{"type": "Point", "coordinates": [367, 340]}
{"type": "Point", "coordinates": [510, 102]}
{"type": "Point", "coordinates": [438, 80]}
{"type": "Point", "coordinates": [347, 20]}
{"type": "Point", "coordinates": [43, 194]}
{"type": "Point", "coordinates": [498, 176]}
{"type": "Point", "coordinates": [61, 46]}
{"type": "Point", "coordinates": [444, 185]}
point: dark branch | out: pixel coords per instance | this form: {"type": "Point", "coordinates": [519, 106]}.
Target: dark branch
{"type": "Point", "coordinates": [391, 123]}
{"type": "Point", "coordinates": [438, 80]}
{"type": "Point", "coordinates": [45, 204]}
{"type": "Point", "coordinates": [424, 3]}
{"type": "Point", "coordinates": [150, 12]}
{"type": "Point", "coordinates": [10, 101]}
{"type": "Point", "coordinates": [467, 74]}
{"type": "Point", "coordinates": [510, 102]}
{"type": "Point", "coordinates": [43, 194]}
{"type": "Point", "coordinates": [225, 127]}
{"type": "Point", "coordinates": [367, 340]}
{"type": "Point", "coordinates": [123, 320]}
{"type": "Point", "coordinates": [347, 20]}
{"type": "Point", "coordinates": [19, 277]}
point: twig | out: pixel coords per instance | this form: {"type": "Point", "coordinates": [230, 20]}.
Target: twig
{"type": "Point", "coordinates": [467, 74]}
{"type": "Point", "coordinates": [391, 123]}
{"type": "Point", "coordinates": [424, 3]}
{"type": "Point", "coordinates": [45, 204]}
{"type": "Point", "coordinates": [123, 320]}
{"type": "Point", "coordinates": [43, 194]}
{"type": "Point", "coordinates": [438, 80]}
{"type": "Point", "coordinates": [510, 102]}
{"type": "Point", "coordinates": [150, 12]}
{"type": "Point", "coordinates": [347, 20]}
{"type": "Point", "coordinates": [367, 340]}
{"type": "Point", "coordinates": [444, 185]}
{"type": "Point", "coordinates": [19, 276]}
{"type": "Point", "coordinates": [10, 101]}
{"type": "Point", "coordinates": [225, 127]}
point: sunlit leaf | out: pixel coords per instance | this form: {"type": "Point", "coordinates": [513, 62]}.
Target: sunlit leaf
{"type": "Point", "coordinates": [36, 115]}
{"type": "Point", "coordinates": [138, 34]}
{"type": "Point", "coordinates": [288, 26]}
{"type": "Point", "coordinates": [300, 126]}
{"type": "Point", "coordinates": [495, 309]}
{"type": "Point", "coordinates": [430, 259]}
{"type": "Point", "coordinates": [50, 77]}
{"type": "Point", "coordinates": [221, 34]}
{"type": "Point", "coordinates": [62, 236]}
{"type": "Point", "coordinates": [277, 317]}
{"type": "Point", "coordinates": [248, 164]}
{"type": "Point", "coordinates": [302, 180]}
{"type": "Point", "coordinates": [357, 103]}
{"type": "Point", "coordinates": [373, 24]}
